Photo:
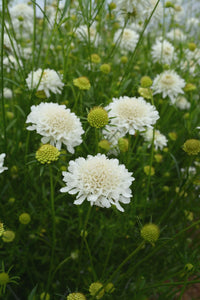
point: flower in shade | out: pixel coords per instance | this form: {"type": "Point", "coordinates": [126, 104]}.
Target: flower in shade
{"type": "Point", "coordinates": [169, 83]}
{"type": "Point", "coordinates": [76, 296]}
{"type": "Point", "coordinates": [130, 114]}
{"type": "Point", "coordinates": [163, 52]}
{"type": "Point", "coordinates": [150, 233]}
{"type": "Point", "coordinates": [96, 290]}
{"type": "Point", "coordinates": [160, 139]}
{"type": "Point", "coordinates": [126, 38]}
{"type": "Point", "coordinates": [56, 124]}
{"type": "Point", "coordinates": [45, 80]}
{"type": "Point", "coordinates": [99, 180]}
{"type": "Point", "coordinates": [2, 168]}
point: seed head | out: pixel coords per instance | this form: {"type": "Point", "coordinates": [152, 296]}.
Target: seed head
{"type": "Point", "coordinates": [25, 218]}
{"type": "Point", "coordinates": [146, 82]}
{"type": "Point", "coordinates": [98, 117]}
{"type": "Point", "coordinates": [105, 68]}
{"type": "Point", "coordinates": [82, 83]}
{"type": "Point", "coordinates": [192, 147]}
{"type": "Point", "coordinates": [8, 236]}
{"type": "Point", "coordinates": [150, 233]}
{"type": "Point", "coordinates": [76, 296]}
{"type": "Point", "coordinates": [94, 288]}
{"type": "Point", "coordinates": [46, 154]}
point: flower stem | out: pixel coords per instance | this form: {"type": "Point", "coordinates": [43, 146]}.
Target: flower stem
{"type": "Point", "coordinates": [53, 228]}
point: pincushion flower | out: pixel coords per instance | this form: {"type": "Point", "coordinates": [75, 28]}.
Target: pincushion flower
{"type": "Point", "coordinates": [130, 114]}
{"type": "Point", "coordinates": [2, 168]}
{"type": "Point", "coordinates": [182, 103]}
{"type": "Point", "coordinates": [163, 52]}
{"type": "Point", "coordinates": [23, 11]}
{"type": "Point", "coordinates": [56, 124]}
{"type": "Point", "coordinates": [177, 35]}
{"type": "Point", "coordinates": [135, 8]}
{"type": "Point", "coordinates": [99, 180]}
{"type": "Point", "coordinates": [82, 34]}
{"type": "Point", "coordinates": [160, 140]}
{"type": "Point", "coordinates": [50, 81]}
{"type": "Point", "coordinates": [126, 38]}
{"type": "Point", "coordinates": [169, 83]}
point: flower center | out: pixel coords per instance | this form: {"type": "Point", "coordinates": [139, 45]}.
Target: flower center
{"type": "Point", "coordinates": [60, 120]}
{"type": "Point", "coordinates": [131, 110]}
{"type": "Point", "coordinates": [167, 80]}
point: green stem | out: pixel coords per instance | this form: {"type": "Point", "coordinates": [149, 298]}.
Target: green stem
{"type": "Point", "coordinates": [91, 260]}
{"type": "Point", "coordinates": [53, 228]}
{"type": "Point", "coordinates": [2, 77]}
{"type": "Point", "coordinates": [60, 265]}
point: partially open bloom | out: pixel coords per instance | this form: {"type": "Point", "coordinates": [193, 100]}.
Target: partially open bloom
{"type": "Point", "coordinates": [45, 80]}
{"type": "Point", "coordinates": [56, 124]}
{"type": "Point", "coordinates": [160, 140]}
{"type": "Point", "coordinates": [2, 168]}
{"type": "Point", "coordinates": [99, 180]}
{"type": "Point", "coordinates": [129, 114]}
{"type": "Point", "coordinates": [169, 83]}
{"type": "Point", "coordinates": [82, 83]}
{"type": "Point", "coordinates": [127, 39]}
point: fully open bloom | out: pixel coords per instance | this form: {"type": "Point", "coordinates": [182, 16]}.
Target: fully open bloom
{"type": "Point", "coordinates": [163, 52]}
{"type": "Point", "coordinates": [100, 180]}
{"type": "Point", "coordinates": [169, 83]}
{"type": "Point", "coordinates": [56, 124]}
{"type": "Point", "coordinates": [135, 8]}
{"type": "Point", "coordinates": [130, 114]}
{"type": "Point", "coordinates": [127, 39]}
{"type": "Point", "coordinates": [2, 156]}
{"type": "Point", "coordinates": [46, 80]}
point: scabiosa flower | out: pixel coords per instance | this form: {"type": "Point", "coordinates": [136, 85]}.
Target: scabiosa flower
{"type": "Point", "coordinates": [160, 140]}
{"type": "Point", "coordinates": [127, 39]}
{"type": "Point", "coordinates": [150, 233]}
{"type": "Point", "coordinates": [135, 8]}
{"type": "Point", "coordinates": [182, 103]}
{"type": "Point", "coordinates": [131, 114]}
{"type": "Point", "coordinates": [56, 124]}
{"type": "Point", "coordinates": [157, 15]}
{"type": "Point", "coordinates": [46, 80]}
{"type": "Point", "coordinates": [23, 11]}
{"type": "Point", "coordinates": [177, 35]}
{"type": "Point", "coordinates": [82, 83]}
{"type": "Point", "coordinates": [94, 288]}
{"type": "Point", "coordinates": [98, 117]}
{"type": "Point", "coordinates": [76, 296]}
{"type": "Point", "coordinates": [169, 83]}
{"type": "Point", "coordinates": [24, 218]}
{"type": "Point", "coordinates": [46, 154]}
{"type": "Point", "coordinates": [7, 93]}
{"type": "Point", "coordinates": [82, 34]}
{"type": "Point", "coordinates": [2, 156]}
{"type": "Point", "coordinates": [192, 147]}
{"type": "Point", "coordinates": [100, 180]}
{"type": "Point", "coordinates": [163, 52]}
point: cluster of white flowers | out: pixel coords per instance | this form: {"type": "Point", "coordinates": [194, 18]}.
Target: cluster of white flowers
{"type": "Point", "coordinates": [45, 80]}
{"type": "Point", "coordinates": [101, 181]}
{"type": "Point", "coordinates": [56, 124]}
{"type": "Point", "coordinates": [169, 83]}
{"type": "Point", "coordinates": [126, 39]}
{"type": "Point", "coordinates": [2, 168]}
{"type": "Point", "coordinates": [130, 114]}
{"type": "Point", "coordinates": [163, 52]}
{"type": "Point", "coordinates": [160, 140]}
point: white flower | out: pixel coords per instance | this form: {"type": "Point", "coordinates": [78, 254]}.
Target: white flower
{"type": "Point", "coordinates": [2, 156]}
{"type": "Point", "coordinates": [11, 63]}
{"type": "Point", "coordinates": [100, 180]}
{"type": "Point", "coordinates": [7, 93]}
{"type": "Point", "coordinates": [163, 52]}
{"type": "Point", "coordinates": [50, 81]}
{"type": "Point", "coordinates": [177, 35]}
{"type": "Point", "coordinates": [157, 15]}
{"type": "Point", "coordinates": [169, 83]}
{"type": "Point", "coordinates": [182, 103]}
{"type": "Point", "coordinates": [131, 114]}
{"type": "Point", "coordinates": [160, 140]}
{"type": "Point", "coordinates": [23, 11]}
{"type": "Point", "coordinates": [127, 39]}
{"type": "Point", "coordinates": [82, 34]}
{"type": "Point", "coordinates": [136, 8]}
{"type": "Point", "coordinates": [56, 124]}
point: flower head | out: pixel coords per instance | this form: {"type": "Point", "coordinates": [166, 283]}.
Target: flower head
{"type": "Point", "coordinates": [8, 236]}
{"type": "Point", "coordinates": [24, 218]}
{"type": "Point", "coordinates": [82, 83]}
{"type": "Point", "coordinates": [131, 114]}
{"type": "Point", "coordinates": [100, 180]}
{"type": "Point", "coordinates": [163, 52]}
{"type": "Point", "coordinates": [2, 156]}
{"type": "Point", "coordinates": [135, 8]}
{"type": "Point", "coordinates": [160, 141]}
{"type": "Point", "coordinates": [98, 117]}
{"type": "Point", "coordinates": [56, 124]}
{"type": "Point", "coordinates": [127, 39]}
{"type": "Point", "coordinates": [150, 233]}
{"type": "Point", "coordinates": [45, 80]}
{"type": "Point", "coordinates": [169, 83]}
{"type": "Point", "coordinates": [76, 296]}
{"type": "Point", "coordinates": [94, 288]}
{"type": "Point", "coordinates": [192, 147]}
{"type": "Point", "coordinates": [46, 154]}
{"type": "Point", "coordinates": [182, 103]}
